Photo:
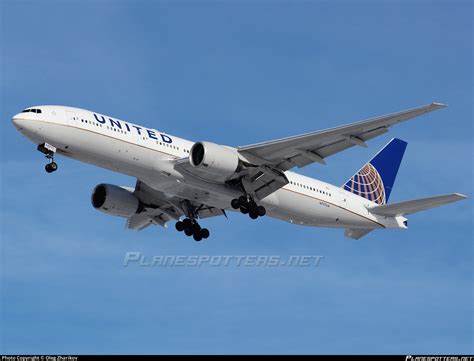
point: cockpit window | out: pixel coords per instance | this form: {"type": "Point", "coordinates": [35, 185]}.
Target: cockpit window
{"type": "Point", "coordinates": [38, 111]}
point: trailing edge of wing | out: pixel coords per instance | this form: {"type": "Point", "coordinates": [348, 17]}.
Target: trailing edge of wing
{"type": "Point", "coordinates": [356, 233]}
{"type": "Point", "coordinates": [139, 222]}
{"type": "Point", "coordinates": [416, 205]}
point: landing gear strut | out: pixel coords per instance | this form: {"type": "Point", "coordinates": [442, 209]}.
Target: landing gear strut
{"type": "Point", "coordinates": [49, 151]}
{"type": "Point", "coordinates": [192, 228]}
{"type": "Point", "coordinates": [248, 206]}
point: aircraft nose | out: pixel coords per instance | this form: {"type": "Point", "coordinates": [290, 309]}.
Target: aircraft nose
{"type": "Point", "coordinates": [17, 121]}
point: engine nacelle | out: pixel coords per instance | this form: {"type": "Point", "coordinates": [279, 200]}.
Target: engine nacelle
{"type": "Point", "coordinates": [218, 161]}
{"type": "Point", "coordinates": [114, 200]}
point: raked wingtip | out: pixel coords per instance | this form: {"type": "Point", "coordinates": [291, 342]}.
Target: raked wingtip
{"type": "Point", "coordinates": [461, 196]}
{"type": "Point", "coordinates": [439, 105]}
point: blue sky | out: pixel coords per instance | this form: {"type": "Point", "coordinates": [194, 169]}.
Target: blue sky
{"type": "Point", "coordinates": [237, 73]}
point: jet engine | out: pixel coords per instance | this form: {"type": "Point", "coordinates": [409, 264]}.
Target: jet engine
{"type": "Point", "coordinates": [114, 200]}
{"type": "Point", "coordinates": [216, 161]}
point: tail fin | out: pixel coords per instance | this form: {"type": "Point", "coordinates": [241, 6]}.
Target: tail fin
{"type": "Point", "coordinates": [374, 181]}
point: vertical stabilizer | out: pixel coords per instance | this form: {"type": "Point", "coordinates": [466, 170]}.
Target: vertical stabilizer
{"type": "Point", "coordinates": [374, 181]}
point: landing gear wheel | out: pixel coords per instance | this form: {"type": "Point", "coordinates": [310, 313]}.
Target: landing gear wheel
{"type": "Point", "coordinates": [197, 237]}
{"type": "Point", "coordinates": [235, 203]}
{"type": "Point", "coordinates": [51, 167]}
{"type": "Point", "coordinates": [252, 206]}
{"type": "Point", "coordinates": [187, 223]}
{"type": "Point", "coordinates": [204, 233]}
{"type": "Point", "coordinates": [196, 228]}
{"type": "Point", "coordinates": [253, 214]}
{"type": "Point", "coordinates": [243, 210]}
{"type": "Point", "coordinates": [188, 231]}
{"type": "Point", "coordinates": [261, 211]}
{"type": "Point", "coordinates": [243, 201]}
{"type": "Point", "coordinates": [179, 226]}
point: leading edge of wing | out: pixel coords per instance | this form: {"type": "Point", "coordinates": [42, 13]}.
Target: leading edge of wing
{"type": "Point", "coordinates": [402, 116]}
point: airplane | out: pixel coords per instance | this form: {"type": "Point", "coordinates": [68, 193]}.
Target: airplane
{"type": "Point", "coordinates": [184, 181]}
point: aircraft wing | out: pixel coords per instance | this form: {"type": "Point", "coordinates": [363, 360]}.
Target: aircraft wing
{"type": "Point", "coordinates": [308, 148]}
{"type": "Point", "coordinates": [158, 208]}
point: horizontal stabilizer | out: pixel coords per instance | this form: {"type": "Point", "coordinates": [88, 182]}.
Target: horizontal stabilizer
{"type": "Point", "coordinates": [356, 233]}
{"type": "Point", "coordinates": [416, 205]}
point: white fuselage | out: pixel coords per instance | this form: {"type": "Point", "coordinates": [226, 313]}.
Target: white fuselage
{"type": "Point", "coordinates": [149, 155]}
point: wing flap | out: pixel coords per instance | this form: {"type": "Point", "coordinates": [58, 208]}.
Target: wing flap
{"type": "Point", "coordinates": [205, 211]}
{"type": "Point", "coordinates": [263, 181]}
{"type": "Point", "coordinates": [416, 205]}
{"type": "Point", "coordinates": [139, 222]}
{"type": "Point", "coordinates": [356, 233]}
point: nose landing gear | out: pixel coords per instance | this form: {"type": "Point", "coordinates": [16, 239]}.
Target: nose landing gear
{"type": "Point", "coordinates": [49, 151]}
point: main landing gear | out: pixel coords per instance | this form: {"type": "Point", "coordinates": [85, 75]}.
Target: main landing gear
{"type": "Point", "coordinates": [248, 206]}
{"type": "Point", "coordinates": [192, 228]}
{"type": "Point", "coordinates": [49, 151]}
{"type": "Point", "coordinates": [189, 225]}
